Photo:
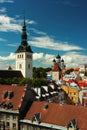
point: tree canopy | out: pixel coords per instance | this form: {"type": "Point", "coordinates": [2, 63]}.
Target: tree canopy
{"type": "Point", "coordinates": [39, 78]}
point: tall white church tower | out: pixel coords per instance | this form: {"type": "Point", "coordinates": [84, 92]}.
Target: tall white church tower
{"type": "Point", "coordinates": [24, 61]}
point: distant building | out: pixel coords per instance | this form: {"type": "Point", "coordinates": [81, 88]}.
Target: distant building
{"type": "Point", "coordinates": [14, 104]}
{"type": "Point", "coordinates": [58, 65]}
{"type": "Point", "coordinates": [24, 60]}
{"type": "Point", "coordinates": [10, 103]}
{"type": "Point", "coordinates": [83, 69]}
{"type": "Point", "coordinates": [72, 92]}
{"type": "Point", "coordinates": [4, 74]}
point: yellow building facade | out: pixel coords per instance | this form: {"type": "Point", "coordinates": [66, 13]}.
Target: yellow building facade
{"type": "Point", "coordinates": [72, 93]}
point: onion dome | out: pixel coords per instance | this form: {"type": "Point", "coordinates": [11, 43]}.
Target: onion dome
{"type": "Point", "coordinates": [62, 60]}
{"type": "Point", "coordinates": [58, 56]}
{"type": "Point", "coordinates": [54, 60]}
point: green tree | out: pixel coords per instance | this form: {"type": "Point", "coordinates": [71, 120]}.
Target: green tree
{"type": "Point", "coordinates": [40, 72]}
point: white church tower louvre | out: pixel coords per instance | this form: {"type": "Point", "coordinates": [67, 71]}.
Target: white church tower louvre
{"type": "Point", "coordinates": [24, 60]}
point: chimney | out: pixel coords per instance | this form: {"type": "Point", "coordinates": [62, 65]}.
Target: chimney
{"type": "Point", "coordinates": [45, 106]}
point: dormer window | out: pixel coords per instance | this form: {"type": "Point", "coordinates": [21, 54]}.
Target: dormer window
{"type": "Point", "coordinates": [72, 124]}
{"type": "Point", "coordinates": [5, 94]}
{"type": "Point", "coordinates": [10, 94]}
{"type": "Point", "coordinates": [36, 118]}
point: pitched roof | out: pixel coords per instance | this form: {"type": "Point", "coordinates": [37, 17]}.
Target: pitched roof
{"type": "Point", "coordinates": [17, 93]}
{"type": "Point", "coordinates": [58, 56]}
{"type": "Point", "coordinates": [62, 114]}
{"type": "Point", "coordinates": [10, 74]}
{"type": "Point", "coordinates": [23, 48]}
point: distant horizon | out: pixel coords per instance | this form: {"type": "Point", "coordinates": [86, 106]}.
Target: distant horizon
{"type": "Point", "coordinates": [53, 26]}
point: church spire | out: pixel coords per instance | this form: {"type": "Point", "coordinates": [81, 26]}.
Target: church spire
{"type": "Point", "coordinates": [24, 47]}
{"type": "Point", "coordinates": [24, 34]}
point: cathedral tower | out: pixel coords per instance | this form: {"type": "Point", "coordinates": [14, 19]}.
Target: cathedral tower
{"type": "Point", "coordinates": [24, 61]}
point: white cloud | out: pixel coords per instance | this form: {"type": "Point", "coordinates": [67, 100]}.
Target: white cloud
{"type": "Point", "coordinates": [30, 22]}
{"type": "Point", "coordinates": [3, 65]}
{"type": "Point", "coordinates": [43, 60]}
{"type": "Point", "coordinates": [3, 10]}
{"type": "Point", "coordinates": [10, 57]}
{"type": "Point", "coordinates": [12, 45]}
{"type": "Point", "coordinates": [6, 61]}
{"type": "Point", "coordinates": [66, 3]}
{"type": "Point", "coordinates": [74, 59]}
{"type": "Point", "coordinates": [47, 42]}
{"type": "Point", "coordinates": [6, 1]}
{"type": "Point", "coordinates": [2, 40]}
{"type": "Point", "coordinates": [8, 24]}
{"type": "Point", "coordinates": [37, 31]}
{"type": "Point", "coordinates": [37, 56]}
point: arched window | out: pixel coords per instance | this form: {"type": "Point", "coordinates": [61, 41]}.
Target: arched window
{"type": "Point", "coordinates": [20, 66]}
{"type": "Point", "coordinates": [28, 66]}
{"type": "Point", "coordinates": [18, 56]}
{"type": "Point", "coordinates": [22, 55]}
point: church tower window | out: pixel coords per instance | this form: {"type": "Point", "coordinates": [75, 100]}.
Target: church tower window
{"type": "Point", "coordinates": [28, 66]}
{"type": "Point", "coordinates": [20, 66]}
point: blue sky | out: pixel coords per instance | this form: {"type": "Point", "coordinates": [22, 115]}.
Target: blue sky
{"type": "Point", "coordinates": [53, 26]}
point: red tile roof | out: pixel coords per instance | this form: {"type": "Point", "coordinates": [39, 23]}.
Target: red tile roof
{"type": "Point", "coordinates": [82, 83]}
{"type": "Point", "coordinates": [59, 114]}
{"type": "Point", "coordinates": [18, 93]}
{"type": "Point", "coordinates": [76, 69]}
{"type": "Point", "coordinates": [56, 68]}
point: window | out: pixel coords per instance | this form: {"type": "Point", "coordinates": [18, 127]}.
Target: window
{"type": "Point", "coordinates": [18, 56]}
{"type": "Point", "coordinates": [7, 117]}
{"type": "Point", "coordinates": [74, 93]}
{"type": "Point", "coordinates": [70, 93]}
{"type": "Point", "coordinates": [22, 126]}
{"type": "Point", "coordinates": [7, 124]}
{"type": "Point", "coordinates": [28, 66]}
{"type": "Point", "coordinates": [85, 104]}
{"type": "Point", "coordinates": [1, 117]}
{"type": "Point", "coordinates": [34, 128]}
{"type": "Point", "coordinates": [22, 55]}
{"type": "Point", "coordinates": [14, 117]}
{"type": "Point", "coordinates": [28, 128]}
{"type": "Point", "coordinates": [1, 126]}
{"type": "Point", "coordinates": [14, 125]}
{"type": "Point", "coordinates": [20, 66]}
{"type": "Point", "coordinates": [29, 56]}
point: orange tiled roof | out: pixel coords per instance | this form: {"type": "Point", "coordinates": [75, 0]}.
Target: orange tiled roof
{"type": "Point", "coordinates": [59, 114]}
{"type": "Point", "coordinates": [76, 69]}
{"type": "Point", "coordinates": [18, 93]}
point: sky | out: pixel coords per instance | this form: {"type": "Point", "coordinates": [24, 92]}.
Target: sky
{"type": "Point", "coordinates": [53, 27]}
